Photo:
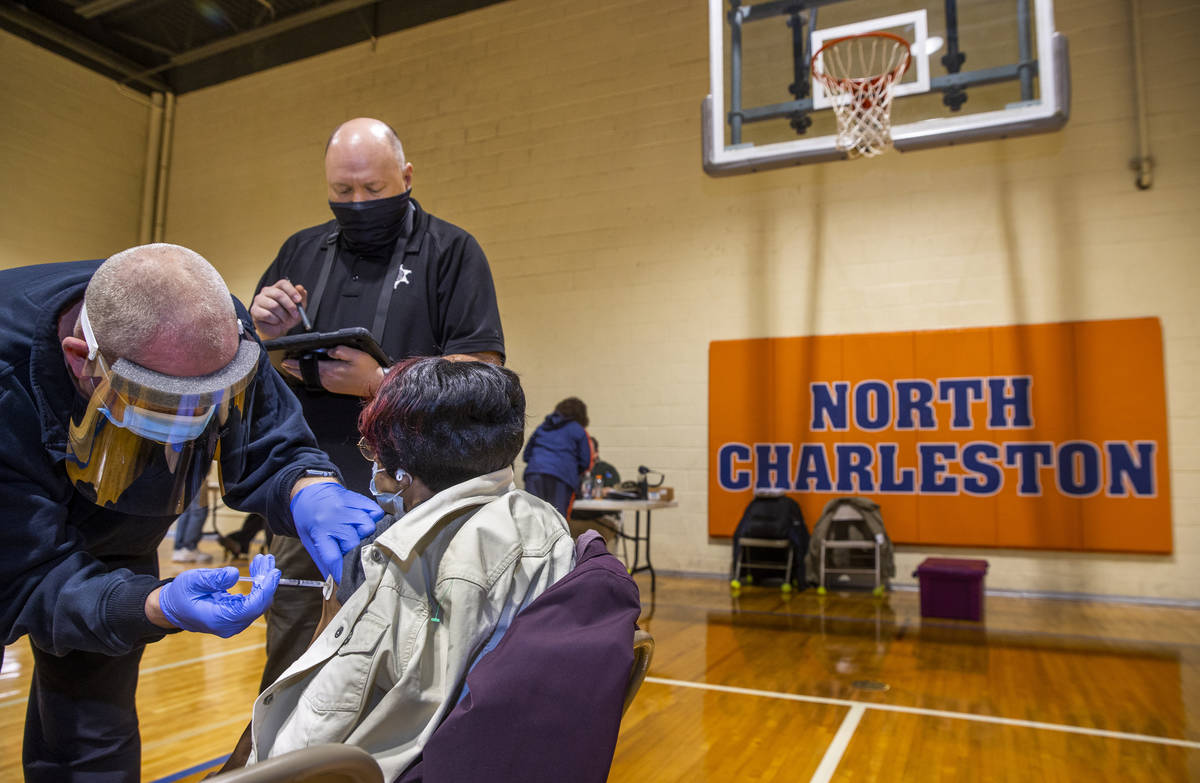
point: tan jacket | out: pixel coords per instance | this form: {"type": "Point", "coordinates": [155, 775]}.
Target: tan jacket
{"type": "Point", "coordinates": [439, 583]}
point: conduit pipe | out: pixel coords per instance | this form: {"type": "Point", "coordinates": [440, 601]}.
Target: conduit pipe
{"type": "Point", "coordinates": [150, 180]}
{"type": "Point", "coordinates": [1143, 164]}
{"type": "Point", "coordinates": [164, 166]}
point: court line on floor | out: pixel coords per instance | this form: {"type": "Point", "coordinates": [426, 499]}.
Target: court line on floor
{"type": "Point", "coordinates": [202, 658]}
{"type": "Point", "coordinates": [837, 748]}
{"type": "Point", "coordinates": [165, 666]}
{"type": "Point", "coordinates": [183, 773]}
{"type": "Point", "coordinates": [907, 623]}
{"type": "Point", "coordinates": [179, 736]}
{"type": "Point", "coordinates": [1026, 724]}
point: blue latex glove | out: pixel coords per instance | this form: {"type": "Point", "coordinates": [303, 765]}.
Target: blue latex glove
{"type": "Point", "coordinates": [331, 521]}
{"type": "Point", "coordinates": [197, 600]}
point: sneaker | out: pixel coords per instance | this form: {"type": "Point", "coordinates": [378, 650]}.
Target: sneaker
{"type": "Point", "coordinates": [190, 556]}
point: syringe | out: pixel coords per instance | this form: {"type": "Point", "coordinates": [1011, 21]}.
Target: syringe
{"type": "Point", "coordinates": [289, 582]}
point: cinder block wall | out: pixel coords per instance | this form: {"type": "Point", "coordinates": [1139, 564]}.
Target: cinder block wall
{"type": "Point", "coordinates": [565, 136]}
{"type": "Point", "coordinates": [72, 148]}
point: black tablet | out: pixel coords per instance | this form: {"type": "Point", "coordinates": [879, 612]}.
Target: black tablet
{"type": "Point", "coordinates": [294, 346]}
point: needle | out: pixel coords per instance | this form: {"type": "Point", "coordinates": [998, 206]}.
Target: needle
{"type": "Point", "coordinates": [289, 582]}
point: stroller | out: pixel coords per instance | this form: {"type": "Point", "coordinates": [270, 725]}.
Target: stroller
{"type": "Point", "coordinates": [769, 544]}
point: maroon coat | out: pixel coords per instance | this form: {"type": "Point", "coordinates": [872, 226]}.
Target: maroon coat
{"type": "Point", "coordinates": [545, 704]}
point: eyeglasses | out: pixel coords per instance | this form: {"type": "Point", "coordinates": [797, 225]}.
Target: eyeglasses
{"type": "Point", "coordinates": [367, 451]}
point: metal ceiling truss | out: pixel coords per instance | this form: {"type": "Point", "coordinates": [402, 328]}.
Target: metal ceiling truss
{"type": "Point", "coordinates": [166, 45]}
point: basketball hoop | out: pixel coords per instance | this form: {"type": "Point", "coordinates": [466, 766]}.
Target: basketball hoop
{"type": "Point", "coordinates": [859, 72]}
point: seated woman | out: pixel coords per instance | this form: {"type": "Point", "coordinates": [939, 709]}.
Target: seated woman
{"type": "Point", "coordinates": [442, 584]}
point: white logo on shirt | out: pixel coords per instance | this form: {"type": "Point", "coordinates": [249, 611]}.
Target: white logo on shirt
{"type": "Point", "coordinates": [401, 277]}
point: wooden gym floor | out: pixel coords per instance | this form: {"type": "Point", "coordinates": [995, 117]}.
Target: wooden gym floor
{"type": "Point", "coordinates": [759, 688]}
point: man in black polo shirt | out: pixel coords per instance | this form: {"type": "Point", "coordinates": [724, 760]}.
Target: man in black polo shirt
{"type": "Point", "coordinates": [421, 285]}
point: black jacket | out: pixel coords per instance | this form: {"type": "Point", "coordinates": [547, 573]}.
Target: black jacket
{"type": "Point", "coordinates": [73, 575]}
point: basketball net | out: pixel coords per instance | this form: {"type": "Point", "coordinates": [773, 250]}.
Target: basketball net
{"type": "Point", "coordinates": [860, 72]}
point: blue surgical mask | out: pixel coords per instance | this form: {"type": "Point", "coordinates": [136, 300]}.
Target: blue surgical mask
{"type": "Point", "coordinates": [391, 502]}
{"type": "Point", "coordinates": [169, 428]}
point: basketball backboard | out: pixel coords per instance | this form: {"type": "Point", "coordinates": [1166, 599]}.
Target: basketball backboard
{"type": "Point", "coordinates": [981, 69]}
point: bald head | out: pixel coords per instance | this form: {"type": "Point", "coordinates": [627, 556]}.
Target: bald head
{"type": "Point", "coordinates": [364, 160]}
{"type": "Point", "coordinates": [164, 307]}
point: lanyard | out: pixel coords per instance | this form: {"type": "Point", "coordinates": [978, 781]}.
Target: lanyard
{"type": "Point", "coordinates": [384, 304]}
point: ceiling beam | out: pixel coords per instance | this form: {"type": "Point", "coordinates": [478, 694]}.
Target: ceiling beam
{"type": "Point", "coordinates": [260, 33]}
{"type": "Point", "coordinates": [63, 37]}
{"type": "Point", "coordinates": [98, 7]}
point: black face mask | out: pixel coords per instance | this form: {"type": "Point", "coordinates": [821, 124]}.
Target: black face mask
{"type": "Point", "coordinates": [371, 227]}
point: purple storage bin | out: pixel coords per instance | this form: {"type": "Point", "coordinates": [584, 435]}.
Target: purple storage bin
{"type": "Point", "coordinates": [951, 588]}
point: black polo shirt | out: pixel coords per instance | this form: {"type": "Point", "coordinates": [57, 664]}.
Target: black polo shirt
{"type": "Point", "coordinates": [443, 301]}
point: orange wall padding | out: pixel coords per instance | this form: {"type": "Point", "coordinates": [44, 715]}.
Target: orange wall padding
{"type": "Point", "coordinates": [1046, 436]}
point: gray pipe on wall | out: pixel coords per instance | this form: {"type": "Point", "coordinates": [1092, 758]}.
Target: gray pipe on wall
{"type": "Point", "coordinates": [150, 179]}
{"type": "Point", "coordinates": [1143, 164]}
{"type": "Point", "coordinates": [164, 167]}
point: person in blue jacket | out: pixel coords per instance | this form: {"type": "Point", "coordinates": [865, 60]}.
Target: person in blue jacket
{"type": "Point", "coordinates": [557, 453]}
{"type": "Point", "coordinates": [118, 383]}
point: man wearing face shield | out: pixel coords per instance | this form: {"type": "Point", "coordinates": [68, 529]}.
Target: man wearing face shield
{"type": "Point", "coordinates": [120, 383]}
{"type": "Point", "coordinates": [421, 285]}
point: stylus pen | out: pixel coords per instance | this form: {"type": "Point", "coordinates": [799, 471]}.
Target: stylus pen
{"type": "Point", "coordinates": [304, 318]}
{"type": "Point", "coordinates": [289, 582]}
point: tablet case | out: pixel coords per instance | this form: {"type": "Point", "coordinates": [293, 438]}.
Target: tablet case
{"type": "Point", "coordinates": [310, 347]}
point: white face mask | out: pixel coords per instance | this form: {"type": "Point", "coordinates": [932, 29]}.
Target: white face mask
{"type": "Point", "coordinates": [391, 502]}
{"type": "Point", "coordinates": [166, 428]}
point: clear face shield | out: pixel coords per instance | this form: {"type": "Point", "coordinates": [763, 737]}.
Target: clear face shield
{"type": "Point", "coordinates": [142, 443]}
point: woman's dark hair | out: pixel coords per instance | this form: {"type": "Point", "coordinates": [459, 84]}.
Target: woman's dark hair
{"type": "Point", "coordinates": [573, 409]}
{"type": "Point", "coordinates": [446, 422]}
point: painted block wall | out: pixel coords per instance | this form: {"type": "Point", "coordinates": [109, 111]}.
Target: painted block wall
{"type": "Point", "coordinates": [566, 137]}
{"type": "Point", "coordinates": [72, 147]}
